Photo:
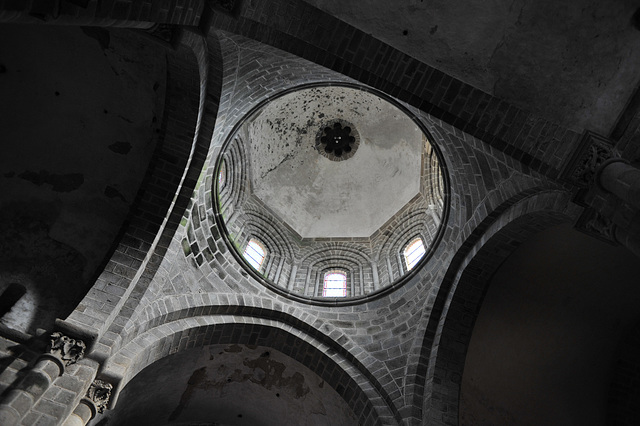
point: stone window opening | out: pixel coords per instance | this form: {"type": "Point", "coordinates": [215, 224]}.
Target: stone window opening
{"type": "Point", "coordinates": [413, 252]}
{"type": "Point", "coordinates": [255, 253]}
{"type": "Point", "coordinates": [335, 284]}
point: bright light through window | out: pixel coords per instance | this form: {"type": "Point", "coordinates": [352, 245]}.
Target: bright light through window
{"type": "Point", "coordinates": [254, 253]}
{"type": "Point", "coordinates": [413, 253]}
{"type": "Point", "coordinates": [335, 284]}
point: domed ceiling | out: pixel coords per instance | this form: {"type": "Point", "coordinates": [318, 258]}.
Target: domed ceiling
{"type": "Point", "coordinates": [330, 179]}
{"type": "Point", "coordinates": [316, 196]}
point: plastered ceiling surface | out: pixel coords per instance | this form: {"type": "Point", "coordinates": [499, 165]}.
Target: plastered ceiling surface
{"type": "Point", "coordinates": [318, 197]}
{"type": "Point", "coordinates": [78, 131]}
{"type": "Point", "coordinates": [229, 385]}
{"type": "Point", "coordinates": [545, 338]}
{"type": "Point", "coordinates": [537, 54]}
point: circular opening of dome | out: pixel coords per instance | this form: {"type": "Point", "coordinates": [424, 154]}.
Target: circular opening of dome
{"type": "Point", "coordinates": [337, 140]}
{"type": "Point", "coordinates": [331, 230]}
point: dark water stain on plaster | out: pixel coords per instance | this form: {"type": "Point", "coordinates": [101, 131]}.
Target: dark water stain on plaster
{"type": "Point", "coordinates": [198, 378]}
{"type": "Point", "coordinates": [234, 349]}
{"type": "Point", "coordinates": [111, 192]}
{"type": "Point", "coordinates": [273, 376]}
{"type": "Point", "coordinates": [120, 147]}
{"type": "Point", "coordinates": [60, 183]}
{"type": "Point", "coordinates": [262, 371]}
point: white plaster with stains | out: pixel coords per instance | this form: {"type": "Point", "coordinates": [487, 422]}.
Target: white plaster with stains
{"type": "Point", "coordinates": [318, 197]}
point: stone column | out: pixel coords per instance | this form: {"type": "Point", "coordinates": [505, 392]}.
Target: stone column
{"type": "Point", "coordinates": [292, 277]}
{"type": "Point", "coordinates": [95, 401]}
{"type": "Point", "coordinates": [279, 271]}
{"type": "Point", "coordinates": [623, 180]}
{"type": "Point", "coordinates": [62, 351]}
{"type": "Point", "coordinates": [376, 278]}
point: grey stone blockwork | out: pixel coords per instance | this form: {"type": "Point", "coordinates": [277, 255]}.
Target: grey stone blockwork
{"type": "Point", "coordinates": [299, 264]}
{"type": "Point", "coordinates": [384, 336]}
{"type": "Point", "coordinates": [386, 348]}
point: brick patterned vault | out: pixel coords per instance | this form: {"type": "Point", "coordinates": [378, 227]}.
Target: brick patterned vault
{"type": "Point", "coordinates": [146, 145]}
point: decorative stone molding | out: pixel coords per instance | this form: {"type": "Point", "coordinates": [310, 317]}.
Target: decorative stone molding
{"type": "Point", "coordinates": [99, 394]}
{"type": "Point", "coordinates": [591, 153]}
{"type": "Point", "coordinates": [66, 349]}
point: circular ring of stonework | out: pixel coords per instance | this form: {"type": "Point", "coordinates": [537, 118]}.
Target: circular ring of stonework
{"type": "Point", "coordinates": [271, 159]}
{"type": "Point", "coordinates": [345, 148]}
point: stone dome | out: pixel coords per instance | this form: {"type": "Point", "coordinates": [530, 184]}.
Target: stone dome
{"type": "Point", "coordinates": [330, 178]}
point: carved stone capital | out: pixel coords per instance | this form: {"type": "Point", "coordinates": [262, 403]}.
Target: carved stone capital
{"type": "Point", "coordinates": [68, 350]}
{"type": "Point", "coordinates": [591, 153]}
{"type": "Point", "coordinates": [99, 393]}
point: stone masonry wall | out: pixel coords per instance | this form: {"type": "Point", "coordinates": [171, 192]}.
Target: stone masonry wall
{"type": "Point", "coordinates": [381, 338]}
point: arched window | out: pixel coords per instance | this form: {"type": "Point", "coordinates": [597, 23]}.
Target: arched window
{"type": "Point", "coordinates": [222, 175]}
{"type": "Point", "coordinates": [255, 253]}
{"type": "Point", "coordinates": [335, 284]}
{"type": "Point", "coordinates": [413, 252]}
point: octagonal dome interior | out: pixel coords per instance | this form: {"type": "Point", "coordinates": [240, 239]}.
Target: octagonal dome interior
{"type": "Point", "coordinates": [313, 213]}
{"type": "Point", "coordinates": [318, 197]}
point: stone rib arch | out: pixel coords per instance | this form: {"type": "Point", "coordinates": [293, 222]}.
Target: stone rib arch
{"type": "Point", "coordinates": [234, 190]}
{"type": "Point", "coordinates": [169, 309]}
{"type": "Point", "coordinates": [172, 337]}
{"type": "Point", "coordinates": [204, 58]}
{"type": "Point", "coordinates": [441, 361]}
{"type": "Point", "coordinates": [183, 152]}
